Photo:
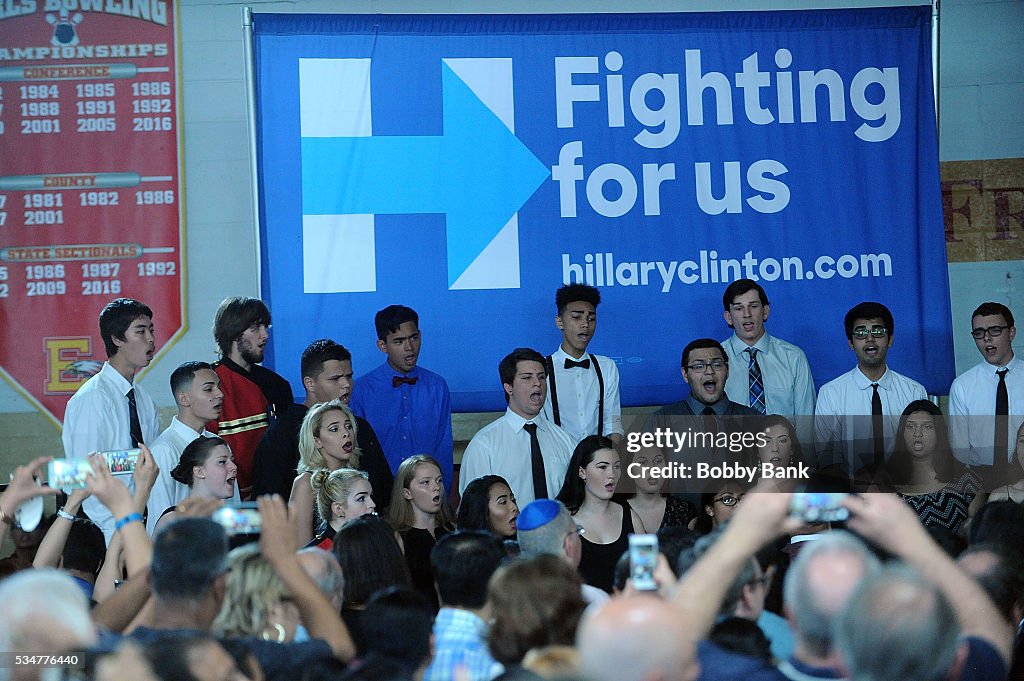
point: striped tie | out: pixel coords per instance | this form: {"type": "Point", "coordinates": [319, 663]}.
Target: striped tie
{"type": "Point", "coordinates": [756, 382]}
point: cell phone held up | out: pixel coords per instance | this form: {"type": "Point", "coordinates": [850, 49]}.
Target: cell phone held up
{"type": "Point", "coordinates": [242, 518]}
{"type": "Point", "coordinates": [643, 559]}
{"type": "Point", "coordinates": [72, 473]}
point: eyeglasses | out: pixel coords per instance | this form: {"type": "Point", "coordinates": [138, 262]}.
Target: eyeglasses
{"type": "Point", "coordinates": [728, 500]}
{"type": "Point", "coordinates": [760, 581]}
{"type": "Point", "coordinates": [993, 331]}
{"type": "Point", "coordinates": [715, 364]}
{"type": "Point", "coordinates": [860, 333]}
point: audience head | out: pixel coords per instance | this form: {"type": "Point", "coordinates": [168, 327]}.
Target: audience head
{"type": "Point", "coordinates": [116, 320]}
{"type": "Point", "coordinates": [635, 638]}
{"type": "Point", "coordinates": [488, 504]}
{"type": "Point", "coordinates": [191, 656]}
{"type": "Point", "coordinates": [819, 583]}
{"type": "Point", "coordinates": [326, 370]}
{"type": "Point", "coordinates": [189, 558]}
{"type": "Point", "coordinates": [993, 331]}
{"type": "Point", "coordinates": [523, 376]}
{"type": "Point", "coordinates": [547, 528]}
{"type": "Point", "coordinates": [370, 559]}
{"type": "Point", "coordinates": [44, 610]}
{"type": "Point", "coordinates": [256, 601]}
{"type": "Point", "coordinates": [534, 602]}
{"type": "Point", "coordinates": [746, 309]}
{"type": "Point", "coordinates": [463, 563]}
{"type": "Point", "coordinates": [418, 492]}
{"type": "Point", "coordinates": [398, 336]}
{"type": "Point", "coordinates": [1001, 573]}
{"type": "Point", "coordinates": [196, 388]}
{"type": "Point", "coordinates": [745, 597]}
{"type": "Point", "coordinates": [322, 567]}
{"type": "Point", "coordinates": [207, 467]}
{"type": "Point", "coordinates": [699, 361]}
{"type": "Point", "coordinates": [577, 316]}
{"type": "Point", "coordinates": [594, 471]}
{"type": "Point", "coordinates": [327, 438]}
{"type": "Point", "coordinates": [896, 625]}
{"type": "Point", "coordinates": [342, 495]}
{"type": "Point", "coordinates": [85, 547]}
{"type": "Point", "coordinates": [999, 522]}
{"type": "Point", "coordinates": [242, 321]}
{"type": "Point", "coordinates": [394, 610]}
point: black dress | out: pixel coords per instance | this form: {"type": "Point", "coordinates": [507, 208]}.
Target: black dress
{"type": "Point", "coordinates": [597, 562]}
{"type": "Point", "coordinates": [418, 544]}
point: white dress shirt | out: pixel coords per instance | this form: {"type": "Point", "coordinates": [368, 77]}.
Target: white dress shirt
{"type": "Point", "coordinates": [972, 409]}
{"type": "Point", "coordinates": [785, 372]}
{"type": "Point", "coordinates": [96, 420]}
{"type": "Point", "coordinates": [842, 419]}
{"type": "Point", "coordinates": [579, 396]}
{"type": "Point", "coordinates": [167, 451]}
{"type": "Point", "coordinates": [503, 448]}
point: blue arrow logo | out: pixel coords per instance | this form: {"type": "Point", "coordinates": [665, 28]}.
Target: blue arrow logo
{"type": "Point", "coordinates": [477, 173]}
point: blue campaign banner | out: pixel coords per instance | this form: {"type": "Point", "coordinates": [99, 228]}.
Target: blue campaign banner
{"type": "Point", "coordinates": [467, 166]}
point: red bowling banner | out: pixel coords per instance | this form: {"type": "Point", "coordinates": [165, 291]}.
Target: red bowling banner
{"type": "Point", "coordinates": [90, 184]}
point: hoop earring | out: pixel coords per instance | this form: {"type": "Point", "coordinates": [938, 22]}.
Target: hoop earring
{"type": "Point", "coordinates": [280, 633]}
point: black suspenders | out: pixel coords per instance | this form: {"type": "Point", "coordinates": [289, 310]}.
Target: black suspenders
{"type": "Point", "coordinates": [554, 393]}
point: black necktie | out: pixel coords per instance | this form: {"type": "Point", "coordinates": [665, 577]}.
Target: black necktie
{"type": "Point", "coordinates": [540, 485]}
{"type": "Point", "coordinates": [1000, 457]}
{"type": "Point", "coordinates": [877, 426]}
{"type": "Point", "coordinates": [572, 364]}
{"type": "Point", "coordinates": [134, 427]}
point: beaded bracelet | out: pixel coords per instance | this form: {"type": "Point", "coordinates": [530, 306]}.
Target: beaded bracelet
{"type": "Point", "coordinates": [65, 515]}
{"type": "Point", "coordinates": [130, 518]}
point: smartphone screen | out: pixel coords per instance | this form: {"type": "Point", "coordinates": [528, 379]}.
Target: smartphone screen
{"type": "Point", "coordinates": [643, 558]}
{"type": "Point", "coordinates": [240, 518]}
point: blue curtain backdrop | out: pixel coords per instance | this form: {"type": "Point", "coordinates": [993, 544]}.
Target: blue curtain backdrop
{"type": "Point", "coordinates": [467, 166]}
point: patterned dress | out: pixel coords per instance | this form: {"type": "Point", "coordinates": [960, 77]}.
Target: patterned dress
{"type": "Point", "coordinates": [947, 507]}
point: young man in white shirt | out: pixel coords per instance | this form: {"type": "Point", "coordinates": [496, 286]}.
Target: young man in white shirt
{"type": "Point", "coordinates": [767, 374]}
{"type": "Point", "coordinates": [583, 388]}
{"type": "Point", "coordinates": [976, 395]}
{"type": "Point", "coordinates": [526, 449]}
{"type": "Point", "coordinates": [109, 412]}
{"type": "Point", "coordinates": [857, 413]}
{"type": "Point", "coordinates": [196, 390]}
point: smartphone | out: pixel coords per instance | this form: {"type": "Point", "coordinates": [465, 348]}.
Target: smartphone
{"type": "Point", "coordinates": [121, 461]}
{"type": "Point", "coordinates": [238, 518]}
{"type": "Point", "coordinates": [819, 507]}
{"type": "Point", "coordinates": [643, 558]}
{"type": "Point", "coordinates": [67, 473]}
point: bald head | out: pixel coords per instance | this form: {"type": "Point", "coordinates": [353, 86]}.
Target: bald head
{"type": "Point", "coordinates": [322, 567]}
{"type": "Point", "coordinates": [636, 638]}
{"type": "Point", "coordinates": [819, 584]}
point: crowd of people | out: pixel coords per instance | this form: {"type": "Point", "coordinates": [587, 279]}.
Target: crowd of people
{"type": "Point", "coordinates": [261, 538]}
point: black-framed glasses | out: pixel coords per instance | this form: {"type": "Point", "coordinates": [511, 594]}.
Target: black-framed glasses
{"type": "Point", "coordinates": [993, 331]}
{"type": "Point", "coordinates": [728, 499]}
{"type": "Point", "coordinates": [860, 333]}
{"type": "Point", "coordinates": [715, 364]}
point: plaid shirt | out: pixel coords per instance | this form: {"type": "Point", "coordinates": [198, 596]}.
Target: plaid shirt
{"type": "Point", "coordinates": [459, 639]}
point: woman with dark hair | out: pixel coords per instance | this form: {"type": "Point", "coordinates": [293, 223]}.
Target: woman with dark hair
{"type": "Point", "coordinates": [371, 560]}
{"type": "Point", "coordinates": [208, 469]}
{"type": "Point", "coordinates": [922, 470]}
{"type": "Point", "coordinates": [718, 502]}
{"type": "Point", "coordinates": [488, 504]}
{"type": "Point", "coordinates": [590, 482]}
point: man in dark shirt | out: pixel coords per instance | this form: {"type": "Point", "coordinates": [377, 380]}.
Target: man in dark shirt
{"type": "Point", "coordinates": [327, 375]}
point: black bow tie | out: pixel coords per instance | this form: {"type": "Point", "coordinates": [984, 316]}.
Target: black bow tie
{"type": "Point", "coordinates": [570, 364]}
